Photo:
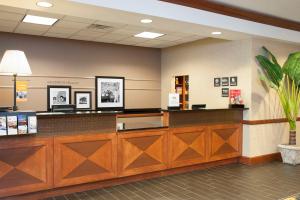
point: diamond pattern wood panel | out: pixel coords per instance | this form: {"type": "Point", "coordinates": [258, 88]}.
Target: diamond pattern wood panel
{"type": "Point", "coordinates": [25, 165]}
{"type": "Point", "coordinates": [225, 141]}
{"type": "Point", "coordinates": [142, 152]}
{"type": "Point", "coordinates": [188, 146]}
{"type": "Point", "coordinates": [84, 158]}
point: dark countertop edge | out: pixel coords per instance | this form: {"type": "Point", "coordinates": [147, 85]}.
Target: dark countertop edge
{"type": "Point", "coordinates": [142, 129]}
{"type": "Point", "coordinates": [41, 114]}
{"type": "Point", "coordinates": [201, 110]}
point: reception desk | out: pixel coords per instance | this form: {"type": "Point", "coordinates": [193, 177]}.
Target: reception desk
{"type": "Point", "coordinates": [84, 150]}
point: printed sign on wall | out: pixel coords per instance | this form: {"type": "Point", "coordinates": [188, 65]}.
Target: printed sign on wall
{"type": "Point", "coordinates": [22, 91]}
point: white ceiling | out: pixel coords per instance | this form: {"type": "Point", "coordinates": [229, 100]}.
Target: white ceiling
{"type": "Point", "coordinates": [72, 27]}
{"type": "Point", "coordinates": [287, 9]}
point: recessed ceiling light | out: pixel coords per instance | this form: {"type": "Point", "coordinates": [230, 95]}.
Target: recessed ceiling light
{"type": "Point", "coordinates": [44, 4]}
{"type": "Point", "coordinates": [39, 20]}
{"type": "Point", "coordinates": [149, 35]}
{"type": "Point", "coordinates": [146, 21]}
{"type": "Point", "coordinates": [216, 33]}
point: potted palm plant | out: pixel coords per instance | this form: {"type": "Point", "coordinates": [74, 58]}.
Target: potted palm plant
{"type": "Point", "coordinates": [285, 80]}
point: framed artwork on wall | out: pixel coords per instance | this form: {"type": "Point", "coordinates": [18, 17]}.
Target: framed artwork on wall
{"type": "Point", "coordinates": [110, 93]}
{"type": "Point", "coordinates": [225, 81]}
{"type": "Point", "coordinates": [233, 81]}
{"type": "Point", "coordinates": [58, 95]}
{"type": "Point", "coordinates": [217, 82]}
{"type": "Point", "coordinates": [225, 92]}
{"type": "Point", "coordinates": [83, 100]}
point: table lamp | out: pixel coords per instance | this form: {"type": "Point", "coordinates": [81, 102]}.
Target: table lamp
{"type": "Point", "coordinates": [14, 62]}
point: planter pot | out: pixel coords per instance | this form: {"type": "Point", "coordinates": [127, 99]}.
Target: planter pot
{"type": "Point", "coordinates": [290, 154]}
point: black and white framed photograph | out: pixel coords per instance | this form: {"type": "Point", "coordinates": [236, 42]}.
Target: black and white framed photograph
{"type": "Point", "coordinates": [217, 82]}
{"type": "Point", "coordinates": [225, 81]}
{"type": "Point", "coordinates": [58, 95]}
{"type": "Point", "coordinates": [110, 93]}
{"type": "Point", "coordinates": [233, 81]}
{"type": "Point", "coordinates": [83, 100]}
{"type": "Point", "coordinates": [225, 92]}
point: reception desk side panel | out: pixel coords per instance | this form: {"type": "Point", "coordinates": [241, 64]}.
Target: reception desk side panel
{"type": "Point", "coordinates": [84, 158]}
{"type": "Point", "coordinates": [26, 165]}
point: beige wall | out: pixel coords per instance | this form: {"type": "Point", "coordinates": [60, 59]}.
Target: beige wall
{"type": "Point", "coordinates": [52, 59]}
{"type": "Point", "coordinates": [203, 61]}
{"type": "Point", "coordinates": [263, 139]}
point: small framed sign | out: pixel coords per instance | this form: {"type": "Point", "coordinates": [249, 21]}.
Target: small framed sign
{"type": "Point", "coordinates": [217, 82]}
{"type": "Point", "coordinates": [83, 100]}
{"type": "Point", "coordinates": [225, 92]}
{"type": "Point", "coordinates": [233, 81]}
{"type": "Point", "coordinates": [58, 95]}
{"type": "Point", "coordinates": [225, 81]}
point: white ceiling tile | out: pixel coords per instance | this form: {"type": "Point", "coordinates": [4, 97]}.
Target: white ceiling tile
{"type": "Point", "coordinates": [79, 19]}
{"type": "Point", "coordinates": [44, 14]}
{"type": "Point", "coordinates": [29, 32]}
{"type": "Point", "coordinates": [136, 39]}
{"type": "Point", "coordinates": [12, 9]}
{"type": "Point", "coordinates": [89, 33]}
{"type": "Point", "coordinates": [35, 27]}
{"type": "Point", "coordinates": [6, 29]}
{"type": "Point", "coordinates": [57, 35]}
{"type": "Point", "coordinates": [8, 23]}
{"type": "Point", "coordinates": [11, 16]}
{"type": "Point", "coordinates": [115, 36]}
{"type": "Point", "coordinates": [70, 24]}
{"type": "Point", "coordinates": [169, 37]}
{"type": "Point", "coordinates": [62, 30]}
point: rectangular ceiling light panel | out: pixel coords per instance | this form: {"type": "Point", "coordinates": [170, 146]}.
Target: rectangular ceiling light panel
{"type": "Point", "coordinates": [39, 20]}
{"type": "Point", "coordinates": [149, 35]}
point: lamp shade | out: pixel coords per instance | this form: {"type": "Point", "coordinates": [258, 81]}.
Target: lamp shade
{"type": "Point", "coordinates": [15, 62]}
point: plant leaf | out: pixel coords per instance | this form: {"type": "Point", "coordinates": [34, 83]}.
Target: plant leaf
{"type": "Point", "coordinates": [291, 67]}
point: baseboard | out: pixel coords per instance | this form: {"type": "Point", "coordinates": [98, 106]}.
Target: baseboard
{"type": "Point", "coordinates": [260, 159]}
{"type": "Point", "coordinates": [117, 181]}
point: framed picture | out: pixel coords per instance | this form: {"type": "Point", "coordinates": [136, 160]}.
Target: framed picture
{"type": "Point", "coordinates": [83, 100]}
{"type": "Point", "coordinates": [225, 81]}
{"type": "Point", "coordinates": [225, 92]}
{"type": "Point", "coordinates": [110, 93]}
{"type": "Point", "coordinates": [233, 81]}
{"type": "Point", "coordinates": [58, 95]}
{"type": "Point", "coordinates": [3, 125]}
{"type": "Point", "coordinates": [217, 82]}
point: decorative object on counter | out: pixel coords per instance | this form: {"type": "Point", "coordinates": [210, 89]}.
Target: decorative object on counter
{"type": "Point", "coordinates": [110, 93]}
{"type": "Point", "coordinates": [233, 81]}
{"type": "Point", "coordinates": [217, 82]}
{"type": "Point", "coordinates": [21, 91]}
{"type": "Point", "coordinates": [58, 95]}
{"type": "Point", "coordinates": [83, 100]}
{"type": "Point", "coordinates": [14, 62]}
{"type": "Point", "coordinates": [182, 88]}
{"type": "Point", "coordinates": [173, 100]}
{"type": "Point", "coordinates": [225, 81]}
{"type": "Point", "coordinates": [225, 92]}
{"type": "Point", "coordinates": [285, 81]}
{"type": "Point", "coordinates": [235, 97]}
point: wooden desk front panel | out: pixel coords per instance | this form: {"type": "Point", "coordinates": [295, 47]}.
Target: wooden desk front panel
{"type": "Point", "coordinates": [142, 152]}
{"type": "Point", "coordinates": [225, 141]}
{"type": "Point", "coordinates": [188, 146]}
{"type": "Point", "coordinates": [26, 165]}
{"type": "Point", "coordinates": [84, 158]}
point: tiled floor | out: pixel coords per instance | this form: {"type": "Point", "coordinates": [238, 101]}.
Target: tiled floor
{"type": "Point", "coordinates": [232, 182]}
